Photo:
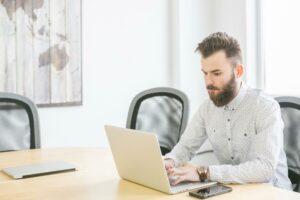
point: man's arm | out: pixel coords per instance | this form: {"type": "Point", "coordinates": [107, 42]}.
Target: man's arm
{"type": "Point", "coordinates": [265, 152]}
{"type": "Point", "coordinates": [191, 140]}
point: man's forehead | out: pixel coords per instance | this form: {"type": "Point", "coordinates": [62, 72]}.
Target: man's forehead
{"type": "Point", "coordinates": [215, 63]}
{"type": "Point", "coordinates": [211, 67]}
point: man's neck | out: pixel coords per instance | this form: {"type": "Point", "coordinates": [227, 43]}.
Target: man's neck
{"type": "Point", "coordinates": [238, 87]}
{"type": "Point", "coordinates": [237, 90]}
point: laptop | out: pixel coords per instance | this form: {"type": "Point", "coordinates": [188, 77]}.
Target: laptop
{"type": "Point", "coordinates": [27, 171]}
{"type": "Point", "coordinates": [138, 159]}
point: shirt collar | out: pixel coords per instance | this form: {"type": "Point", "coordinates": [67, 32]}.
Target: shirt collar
{"type": "Point", "coordinates": [235, 102]}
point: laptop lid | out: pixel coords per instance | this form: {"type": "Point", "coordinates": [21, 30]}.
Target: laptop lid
{"type": "Point", "coordinates": [26, 171]}
{"type": "Point", "coordinates": [138, 159]}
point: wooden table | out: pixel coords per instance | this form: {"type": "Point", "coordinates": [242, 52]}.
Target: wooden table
{"type": "Point", "coordinates": [97, 178]}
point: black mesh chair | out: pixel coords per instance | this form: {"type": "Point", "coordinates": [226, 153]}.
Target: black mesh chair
{"type": "Point", "coordinates": [19, 123]}
{"type": "Point", "coordinates": [290, 111]}
{"type": "Point", "coordinates": [160, 110]}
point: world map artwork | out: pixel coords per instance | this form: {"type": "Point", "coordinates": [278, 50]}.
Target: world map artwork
{"type": "Point", "coordinates": [40, 50]}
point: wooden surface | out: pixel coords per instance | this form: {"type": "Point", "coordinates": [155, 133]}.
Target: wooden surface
{"type": "Point", "coordinates": [97, 178]}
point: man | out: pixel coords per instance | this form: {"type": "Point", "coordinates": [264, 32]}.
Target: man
{"type": "Point", "coordinates": [243, 125]}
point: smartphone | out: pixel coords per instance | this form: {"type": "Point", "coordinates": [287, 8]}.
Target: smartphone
{"type": "Point", "coordinates": [210, 191]}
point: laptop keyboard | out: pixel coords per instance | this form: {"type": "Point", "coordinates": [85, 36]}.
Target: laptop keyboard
{"type": "Point", "coordinates": [182, 187]}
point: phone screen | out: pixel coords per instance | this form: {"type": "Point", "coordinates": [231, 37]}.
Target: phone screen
{"type": "Point", "coordinates": [210, 191]}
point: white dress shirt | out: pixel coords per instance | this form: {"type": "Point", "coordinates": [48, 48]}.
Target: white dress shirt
{"type": "Point", "coordinates": [246, 136]}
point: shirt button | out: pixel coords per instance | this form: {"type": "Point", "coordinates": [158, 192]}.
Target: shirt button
{"type": "Point", "coordinates": [245, 134]}
{"type": "Point", "coordinates": [228, 139]}
{"type": "Point", "coordinates": [232, 157]}
{"type": "Point", "coordinates": [228, 120]}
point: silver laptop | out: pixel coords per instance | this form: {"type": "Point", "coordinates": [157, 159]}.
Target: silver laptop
{"type": "Point", "coordinates": [26, 171]}
{"type": "Point", "coordinates": [138, 159]}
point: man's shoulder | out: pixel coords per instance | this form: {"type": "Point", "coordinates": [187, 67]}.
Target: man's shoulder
{"type": "Point", "coordinates": [260, 99]}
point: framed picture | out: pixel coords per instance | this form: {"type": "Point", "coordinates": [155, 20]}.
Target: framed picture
{"type": "Point", "coordinates": [40, 50]}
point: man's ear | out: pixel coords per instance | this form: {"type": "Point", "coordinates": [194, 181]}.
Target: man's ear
{"type": "Point", "coordinates": [239, 70]}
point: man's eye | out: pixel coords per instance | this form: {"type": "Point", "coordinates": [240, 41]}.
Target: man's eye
{"type": "Point", "coordinates": [217, 74]}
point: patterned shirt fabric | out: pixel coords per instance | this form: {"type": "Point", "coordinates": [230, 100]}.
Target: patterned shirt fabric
{"type": "Point", "coordinates": [246, 136]}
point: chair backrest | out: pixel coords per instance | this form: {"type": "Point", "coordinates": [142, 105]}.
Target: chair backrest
{"type": "Point", "coordinates": [290, 111]}
{"type": "Point", "coordinates": [19, 123]}
{"type": "Point", "coordinates": [160, 110]}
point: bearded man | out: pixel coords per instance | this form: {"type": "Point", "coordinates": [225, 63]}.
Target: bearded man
{"type": "Point", "coordinates": [243, 125]}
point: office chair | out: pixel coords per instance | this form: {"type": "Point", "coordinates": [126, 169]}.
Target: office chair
{"type": "Point", "coordinates": [19, 123]}
{"type": "Point", "coordinates": [290, 111]}
{"type": "Point", "coordinates": [161, 110]}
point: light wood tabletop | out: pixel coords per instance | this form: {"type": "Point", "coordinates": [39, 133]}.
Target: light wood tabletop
{"type": "Point", "coordinates": [97, 178]}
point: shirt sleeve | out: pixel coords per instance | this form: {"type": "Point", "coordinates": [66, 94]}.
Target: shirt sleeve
{"type": "Point", "coordinates": [264, 152]}
{"type": "Point", "coordinates": [191, 140]}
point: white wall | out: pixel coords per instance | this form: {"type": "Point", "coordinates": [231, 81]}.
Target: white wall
{"type": "Point", "coordinates": [196, 21]}
{"type": "Point", "coordinates": [124, 49]}
{"type": "Point", "coordinates": [239, 19]}
{"type": "Point", "coordinates": [132, 45]}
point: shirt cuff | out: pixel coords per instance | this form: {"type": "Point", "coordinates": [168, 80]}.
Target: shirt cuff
{"type": "Point", "coordinates": [214, 173]}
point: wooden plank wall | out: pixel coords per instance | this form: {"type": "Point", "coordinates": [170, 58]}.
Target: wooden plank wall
{"type": "Point", "coordinates": [40, 50]}
{"type": "Point", "coordinates": [42, 92]}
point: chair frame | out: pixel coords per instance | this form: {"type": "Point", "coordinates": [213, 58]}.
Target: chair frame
{"type": "Point", "coordinates": [290, 102]}
{"type": "Point", "coordinates": [31, 109]}
{"type": "Point", "coordinates": [153, 92]}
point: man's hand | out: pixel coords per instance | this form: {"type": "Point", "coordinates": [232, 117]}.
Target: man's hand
{"type": "Point", "coordinates": [169, 164]}
{"type": "Point", "coordinates": [184, 173]}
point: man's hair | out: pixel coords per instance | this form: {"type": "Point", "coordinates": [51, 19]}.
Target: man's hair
{"type": "Point", "coordinates": [221, 41]}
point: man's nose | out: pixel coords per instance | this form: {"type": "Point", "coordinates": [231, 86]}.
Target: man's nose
{"type": "Point", "coordinates": [208, 80]}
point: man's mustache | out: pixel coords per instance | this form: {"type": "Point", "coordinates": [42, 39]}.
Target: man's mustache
{"type": "Point", "coordinates": [211, 87]}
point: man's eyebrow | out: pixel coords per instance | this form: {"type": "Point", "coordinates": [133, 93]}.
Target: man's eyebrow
{"type": "Point", "coordinates": [212, 71]}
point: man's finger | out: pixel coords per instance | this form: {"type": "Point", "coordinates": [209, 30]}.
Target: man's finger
{"type": "Point", "coordinates": [170, 171]}
{"type": "Point", "coordinates": [177, 171]}
{"type": "Point", "coordinates": [179, 179]}
{"type": "Point", "coordinates": [168, 167]}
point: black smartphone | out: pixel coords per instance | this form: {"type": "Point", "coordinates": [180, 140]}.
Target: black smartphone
{"type": "Point", "coordinates": [210, 191]}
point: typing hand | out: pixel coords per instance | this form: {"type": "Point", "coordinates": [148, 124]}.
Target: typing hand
{"type": "Point", "coordinates": [173, 179]}
{"type": "Point", "coordinates": [169, 164]}
{"type": "Point", "coordinates": [184, 173]}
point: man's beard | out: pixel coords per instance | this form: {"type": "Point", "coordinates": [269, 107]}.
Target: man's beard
{"type": "Point", "coordinates": [227, 93]}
